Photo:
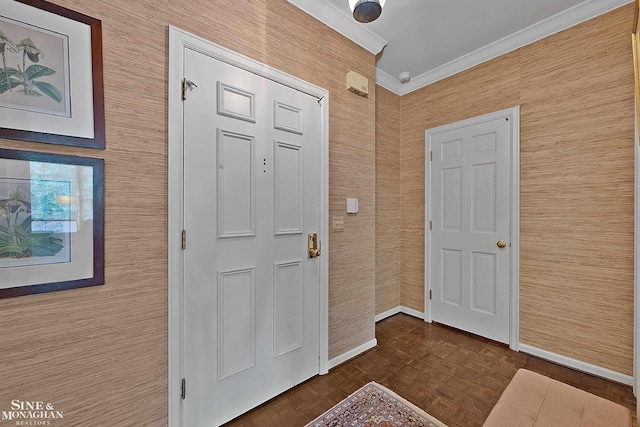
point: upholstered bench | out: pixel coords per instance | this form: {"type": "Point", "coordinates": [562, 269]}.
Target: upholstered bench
{"type": "Point", "coordinates": [532, 399]}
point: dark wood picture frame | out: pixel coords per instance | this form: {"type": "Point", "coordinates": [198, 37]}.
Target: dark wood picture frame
{"type": "Point", "coordinates": [97, 193]}
{"type": "Point", "coordinates": [98, 140]}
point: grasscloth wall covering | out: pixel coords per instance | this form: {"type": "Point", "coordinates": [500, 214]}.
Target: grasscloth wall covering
{"type": "Point", "coordinates": [100, 354]}
{"type": "Point", "coordinates": [575, 90]}
{"type": "Point", "coordinates": [387, 200]}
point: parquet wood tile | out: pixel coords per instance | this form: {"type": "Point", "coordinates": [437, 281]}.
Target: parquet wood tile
{"type": "Point", "coordinates": [455, 376]}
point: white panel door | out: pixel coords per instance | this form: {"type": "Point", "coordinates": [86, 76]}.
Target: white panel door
{"type": "Point", "coordinates": [470, 184]}
{"type": "Point", "coordinates": [252, 195]}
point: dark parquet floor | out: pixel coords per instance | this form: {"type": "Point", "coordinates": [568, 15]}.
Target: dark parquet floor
{"type": "Point", "coordinates": [455, 376]}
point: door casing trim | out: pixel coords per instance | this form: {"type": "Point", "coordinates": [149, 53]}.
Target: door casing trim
{"type": "Point", "coordinates": [514, 233]}
{"type": "Point", "coordinates": [178, 41]}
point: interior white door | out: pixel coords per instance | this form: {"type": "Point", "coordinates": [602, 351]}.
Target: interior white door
{"type": "Point", "coordinates": [470, 249]}
{"type": "Point", "coordinates": [252, 195]}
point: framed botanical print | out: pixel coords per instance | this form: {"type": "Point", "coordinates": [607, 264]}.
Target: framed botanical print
{"type": "Point", "coordinates": [51, 222]}
{"type": "Point", "coordinates": [51, 87]}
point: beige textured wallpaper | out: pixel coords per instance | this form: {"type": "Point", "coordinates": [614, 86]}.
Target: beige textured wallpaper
{"type": "Point", "coordinates": [388, 213]}
{"type": "Point", "coordinates": [575, 90]}
{"type": "Point", "coordinates": [100, 354]}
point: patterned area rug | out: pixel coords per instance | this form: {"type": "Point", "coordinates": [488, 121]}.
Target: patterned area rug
{"type": "Point", "coordinates": [375, 406]}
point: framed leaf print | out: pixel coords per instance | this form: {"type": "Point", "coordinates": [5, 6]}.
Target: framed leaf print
{"type": "Point", "coordinates": [51, 222]}
{"type": "Point", "coordinates": [51, 87]}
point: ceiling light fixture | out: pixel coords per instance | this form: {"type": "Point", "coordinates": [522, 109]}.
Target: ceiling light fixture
{"type": "Point", "coordinates": [366, 10]}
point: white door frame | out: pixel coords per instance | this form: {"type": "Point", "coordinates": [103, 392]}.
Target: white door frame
{"type": "Point", "coordinates": [514, 262]}
{"type": "Point", "coordinates": [178, 40]}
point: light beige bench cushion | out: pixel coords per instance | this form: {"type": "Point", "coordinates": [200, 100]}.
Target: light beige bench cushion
{"type": "Point", "coordinates": [532, 399]}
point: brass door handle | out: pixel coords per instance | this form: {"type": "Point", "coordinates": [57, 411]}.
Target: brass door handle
{"type": "Point", "coordinates": [313, 245]}
{"type": "Point", "coordinates": [501, 244]}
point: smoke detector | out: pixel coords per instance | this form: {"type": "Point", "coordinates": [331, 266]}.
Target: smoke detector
{"type": "Point", "coordinates": [404, 77]}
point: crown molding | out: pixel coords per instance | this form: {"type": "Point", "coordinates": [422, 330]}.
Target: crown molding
{"type": "Point", "coordinates": [388, 82]}
{"type": "Point", "coordinates": [333, 17]}
{"type": "Point", "coordinates": [554, 24]}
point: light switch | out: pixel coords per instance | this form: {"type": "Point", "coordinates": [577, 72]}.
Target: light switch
{"type": "Point", "coordinates": [338, 223]}
{"type": "Point", "coordinates": [352, 206]}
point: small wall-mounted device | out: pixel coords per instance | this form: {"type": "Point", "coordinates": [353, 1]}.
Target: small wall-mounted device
{"type": "Point", "coordinates": [352, 206]}
{"type": "Point", "coordinates": [357, 83]}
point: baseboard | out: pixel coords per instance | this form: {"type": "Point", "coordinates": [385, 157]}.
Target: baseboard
{"type": "Point", "coordinates": [412, 312]}
{"type": "Point", "coordinates": [387, 313]}
{"type": "Point", "coordinates": [577, 364]}
{"type": "Point", "coordinates": [399, 309]}
{"type": "Point", "coordinates": [352, 353]}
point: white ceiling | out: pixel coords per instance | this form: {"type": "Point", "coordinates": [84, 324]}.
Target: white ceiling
{"type": "Point", "coordinates": [435, 38]}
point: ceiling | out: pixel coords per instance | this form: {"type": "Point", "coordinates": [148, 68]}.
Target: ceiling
{"type": "Point", "coordinates": [432, 39]}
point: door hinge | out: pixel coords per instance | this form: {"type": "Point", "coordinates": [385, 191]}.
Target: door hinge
{"type": "Point", "coordinates": [431, 156]}
{"type": "Point", "coordinates": [183, 389]}
{"type": "Point", "coordinates": [187, 85]}
{"type": "Point", "coordinates": [430, 225]}
{"type": "Point", "coordinates": [430, 294]}
{"type": "Point", "coordinates": [184, 239]}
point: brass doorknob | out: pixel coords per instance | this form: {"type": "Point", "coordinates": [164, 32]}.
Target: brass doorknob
{"type": "Point", "coordinates": [501, 244]}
